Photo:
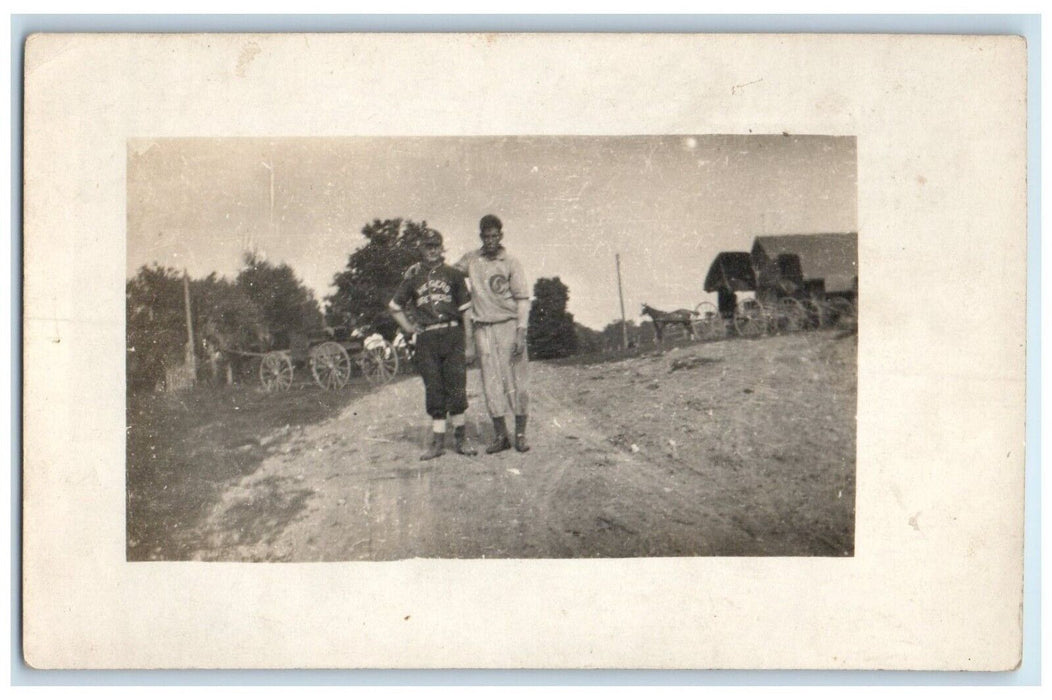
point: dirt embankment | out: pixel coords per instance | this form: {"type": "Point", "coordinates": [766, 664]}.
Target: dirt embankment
{"type": "Point", "coordinates": [728, 448]}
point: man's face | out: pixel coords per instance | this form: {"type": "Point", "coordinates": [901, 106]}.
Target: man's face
{"type": "Point", "coordinates": [491, 238]}
{"type": "Point", "coordinates": [432, 252]}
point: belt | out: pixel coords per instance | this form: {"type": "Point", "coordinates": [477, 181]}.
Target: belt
{"type": "Point", "coordinates": [494, 323]}
{"type": "Point", "coordinates": [436, 326]}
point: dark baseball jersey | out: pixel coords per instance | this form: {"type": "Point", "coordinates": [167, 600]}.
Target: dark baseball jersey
{"type": "Point", "coordinates": [432, 295]}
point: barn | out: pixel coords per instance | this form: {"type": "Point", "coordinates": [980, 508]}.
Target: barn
{"type": "Point", "coordinates": [822, 264]}
{"type": "Point", "coordinates": [799, 280]}
{"type": "Point", "coordinates": [731, 271]}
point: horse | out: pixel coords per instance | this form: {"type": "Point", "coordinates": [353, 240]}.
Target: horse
{"type": "Point", "coordinates": [679, 317]}
{"type": "Point", "coordinates": [224, 348]}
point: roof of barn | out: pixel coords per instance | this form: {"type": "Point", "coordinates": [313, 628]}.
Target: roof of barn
{"type": "Point", "coordinates": [829, 256]}
{"type": "Point", "coordinates": [733, 270]}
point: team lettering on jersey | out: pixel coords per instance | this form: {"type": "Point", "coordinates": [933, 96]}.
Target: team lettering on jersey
{"type": "Point", "coordinates": [434, 291]}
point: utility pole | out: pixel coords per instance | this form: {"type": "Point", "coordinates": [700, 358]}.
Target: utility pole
{"type": "Point", "coordinates": [621, 297]}
{"type": "Point", "coordinates": [270, 168]}
{"type": "Point", "coordinates": [191, 360]}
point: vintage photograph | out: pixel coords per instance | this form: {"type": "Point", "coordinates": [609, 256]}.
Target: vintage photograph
{"type": "Point", "coordinates": [383, 348]}
{"type": "Point", "coordinates": [525, 351]}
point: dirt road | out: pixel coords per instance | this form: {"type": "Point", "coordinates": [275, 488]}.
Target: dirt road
{"type": "Point", "coordinates": [728, 448]}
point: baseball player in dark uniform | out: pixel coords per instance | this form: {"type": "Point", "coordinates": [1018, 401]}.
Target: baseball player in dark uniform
{"type": "Point", "coordinates": [436, 296]}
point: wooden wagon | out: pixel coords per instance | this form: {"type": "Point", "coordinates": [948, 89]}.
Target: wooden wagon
{"type": "Point", "coordinates": [331, 357]}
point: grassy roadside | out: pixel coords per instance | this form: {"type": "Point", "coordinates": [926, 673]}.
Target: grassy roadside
{"type": "Point", "coordinates": [183, 449]}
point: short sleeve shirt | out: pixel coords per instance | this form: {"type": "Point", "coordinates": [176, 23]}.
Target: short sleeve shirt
{"type": "Point", "coordinates": [432, 295]}
{"type": "Point", "coordinates": [496, 285]}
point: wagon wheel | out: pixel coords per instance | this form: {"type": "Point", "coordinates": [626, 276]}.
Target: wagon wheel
{"type": "Point", "coordinates": [843, 312]}
{"type": "Point", "coordinates": [824, 313]}
{"type": "Point", "coordinates": [275, 372]}
{"type": "Point", "coordinates": [749, 319]}
{"type": "Point", "coordinates": [379, 364]}
{"type": "Point", "coordinates": [772, 313]}
{"type": "Point", "coordinates": [330, 364]}
{"type": "Point", "coordinates": [709, 325]}
{"type": "Point", "coordinates": [793, 314]}
{"type": "Point", "coordinates": [812, 314]}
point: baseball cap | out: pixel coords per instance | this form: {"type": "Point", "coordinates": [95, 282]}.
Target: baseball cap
{"type": "Point", "coordinates": [431, 237]}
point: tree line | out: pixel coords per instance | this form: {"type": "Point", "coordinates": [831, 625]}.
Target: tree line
{"type": "Point", "coordinates": [249, 313]}
{"type": "Point", "coordinates": [266, 304]}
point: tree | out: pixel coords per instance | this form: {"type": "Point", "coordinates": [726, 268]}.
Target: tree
{"type": "Point", "coordinates": [155, 323]}
{"type": "Point", "coordinates": [645, 335]}
{"type": "Point", "coordinates": [551, 331]}
{"type": "Point", "coordinates": [224, 318]}
{"type": "Point", "coordinates": [226, 321]}
{"type": "Point", "coordinates": [286, 304]}
{"type": "Point", "coordinates": [373, 272]}
{"type": "Point", "coordinates": [227, 316]}
{"type": "Point", "coordinates": [224, 315]}
{"type": "Point", "coordinates": [612, 334]}
{"type": "Point", "coordinates": [642, 334]}
{"type": "Point", "coordinates": [588, 340]}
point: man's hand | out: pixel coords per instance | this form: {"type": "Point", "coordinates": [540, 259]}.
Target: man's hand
{"type": "Point", "coordinates": [519, 346]}
{"type": "Point", "coordinates": [469, 353]}
{"type": "Point", "coordinates": [409, 327]}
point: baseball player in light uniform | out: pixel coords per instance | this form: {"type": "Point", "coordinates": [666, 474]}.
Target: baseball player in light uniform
{"type": "Point", "coordinates": [437, 297]}
{"type": "Point", "coordinates": [500, 310]}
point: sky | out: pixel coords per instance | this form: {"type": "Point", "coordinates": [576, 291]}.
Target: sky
{"type": "Point", "coordinates": [666, 204]}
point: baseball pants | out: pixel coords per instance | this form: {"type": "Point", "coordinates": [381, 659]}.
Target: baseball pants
{"type": "Point", "coordinates": [504, 377]}
{"type": "Point", "coordinates": [440, 361]}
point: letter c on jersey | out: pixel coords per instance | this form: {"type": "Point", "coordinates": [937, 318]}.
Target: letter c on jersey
{"type": "Point", "coordinates": [498, 284]}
